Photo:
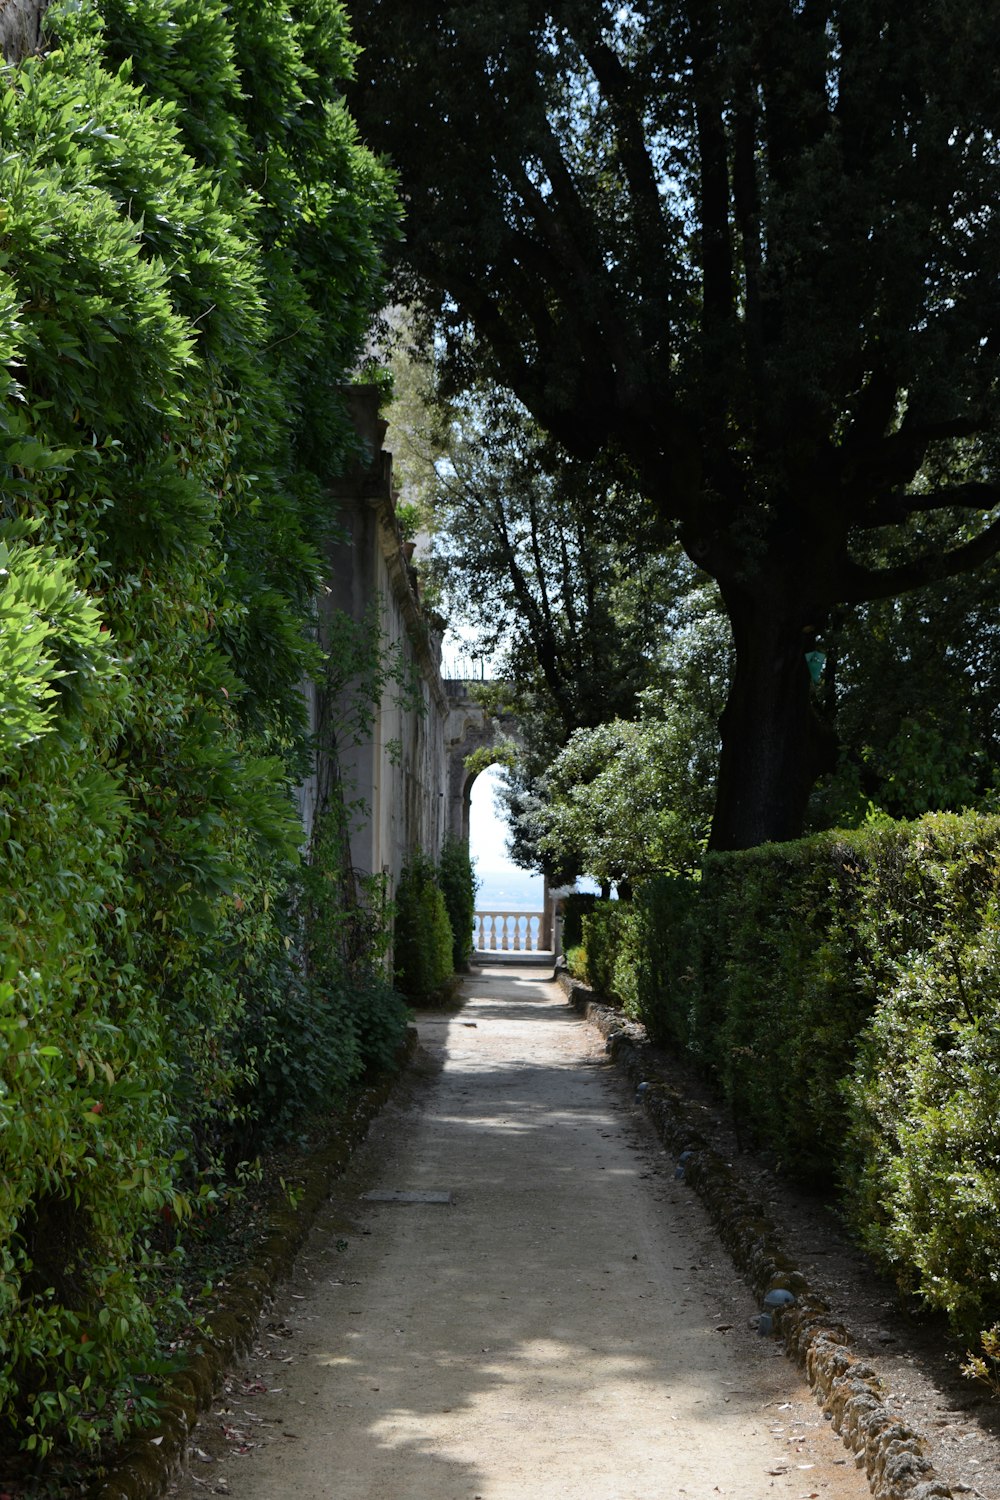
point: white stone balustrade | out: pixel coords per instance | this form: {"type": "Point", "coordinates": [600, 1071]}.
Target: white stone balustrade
{"type": "Point", "coordinates": [508, 932]}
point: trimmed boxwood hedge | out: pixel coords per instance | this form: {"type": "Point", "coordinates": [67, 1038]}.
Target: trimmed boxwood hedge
{"type": "Point", "coordinates": [843, 995]}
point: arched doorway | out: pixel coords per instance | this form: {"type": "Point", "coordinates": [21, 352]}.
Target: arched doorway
{"type": "Point", "coordinates": [503, 887]}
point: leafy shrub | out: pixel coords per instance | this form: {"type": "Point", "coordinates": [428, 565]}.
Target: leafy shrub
{"type": "Point", "coordinates": [574, 908]}
{"type": "Point", "coordinates": [841, 992]}
{"type": "Point", "coordinates": [186, 271]}
{"type": "Point", "coordinates": [605, 929]}
{"type": "Point", "coordinates": [669, 964]}
{"type": "Point", "coordinates": [457, 880]}
{"type": "Point", "coordinates": [424, 942]}
{"type": "Point", "coordinates": [576, 962]}
{"type": "Point", "coordinates": [921, 1170]}
{"type": "Point", "coordinates": [86, 1135]}
{"type": "Point", "coordinates": [336, 1016]}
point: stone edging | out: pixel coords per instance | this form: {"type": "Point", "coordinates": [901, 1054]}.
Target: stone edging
{"type": "Point", "coordinates": [153, 1457]}
{"type": "Point", "coordinates": [894, 1455]}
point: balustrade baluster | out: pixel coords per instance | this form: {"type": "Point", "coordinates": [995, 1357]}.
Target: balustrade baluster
{"type": "Point", "coordinates": [508, 932]}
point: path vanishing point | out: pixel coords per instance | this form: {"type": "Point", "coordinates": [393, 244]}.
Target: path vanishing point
{"type": "Point", "coordinates": [540, 1311]}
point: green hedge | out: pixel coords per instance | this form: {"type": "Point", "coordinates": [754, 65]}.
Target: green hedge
{"type": "Point", "coordinates": [189, 257]}
{"type": "Point", "coordinates": [457, 880]}
{"type": "Point", "coordinates": [424, 941]}
{"type": "Point", "coordinates": [843, 995]}
{"type": "Point", "coordinates": [574, 908]}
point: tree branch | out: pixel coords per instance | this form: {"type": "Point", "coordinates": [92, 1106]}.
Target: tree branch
{"type": "Point", "coordinates": [746, 197]}
{"type": "Point", "coordinates": [891, 510]}
{"type": "Point", "coordinates": [20, 28]}
{"type": "Point", "coordinates": [538, 618]}
{"type": "Point", "coordinates": [862, 583]}
{"type": "Point", "coordinates": [716, 250]}
{"type": "Point", "coordinates": [616, 85]}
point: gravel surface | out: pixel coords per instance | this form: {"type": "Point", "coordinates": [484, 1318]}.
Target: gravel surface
{"type": "Point", "coordinates": [912, 1352]}
{"type": "Point", "coordinates": [566, 1327]}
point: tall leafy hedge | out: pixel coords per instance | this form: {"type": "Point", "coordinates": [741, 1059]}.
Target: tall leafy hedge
{"type": "Point", "coordinates": [424, 941]}
{"type": "Point", "coordinates": [842, 993]}
{"type": "Point", "coordinates": [189, 254]}
{"type": "Point", "coordinates": [456, 878]}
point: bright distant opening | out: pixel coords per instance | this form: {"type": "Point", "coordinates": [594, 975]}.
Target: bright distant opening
{"type": "Point", "coordinates": [502, 886]}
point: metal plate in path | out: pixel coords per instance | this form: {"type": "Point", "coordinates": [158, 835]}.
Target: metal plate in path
{"type": "Point", "coordinates": [396, 1195]}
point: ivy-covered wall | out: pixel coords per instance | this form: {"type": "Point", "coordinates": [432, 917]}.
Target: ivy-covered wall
{"type": "Point", "coordinates": [190, 239]}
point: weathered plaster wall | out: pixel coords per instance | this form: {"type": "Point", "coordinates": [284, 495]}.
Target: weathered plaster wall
{"type": "Point", "coordinates": [467, 729]}
{"type": "Point", "coordinates": [398, 771]}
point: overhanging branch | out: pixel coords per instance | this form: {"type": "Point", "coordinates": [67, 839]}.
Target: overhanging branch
{"type": "Point", "coordinates": [884, 583]}
{"type": "Point", "coordinates": [892, 510]}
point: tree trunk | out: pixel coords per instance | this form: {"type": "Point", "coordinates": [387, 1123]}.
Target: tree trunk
{"type": "Point", "coordinates": [20, 27]}
{"type": "Point", "coordinates": [773, 744]}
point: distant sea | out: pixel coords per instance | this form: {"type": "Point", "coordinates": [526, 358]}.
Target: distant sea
{"type": "Point", "coordinates": [509, 890]}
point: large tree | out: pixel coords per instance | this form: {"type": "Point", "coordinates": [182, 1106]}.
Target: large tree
{"type": "Point", "coordinates": [547, 565]}
{"type": "Point", "coordinates": [750, 248]}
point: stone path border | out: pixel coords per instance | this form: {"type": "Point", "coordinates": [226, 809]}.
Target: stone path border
{"type": "Point", "coordinates": [894, 1455]}
{"type": "Point", "coordinates": [151, 1459]}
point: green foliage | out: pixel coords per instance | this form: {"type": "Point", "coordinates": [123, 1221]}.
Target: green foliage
{"type": "Point", "coordinates": [922, 1168]}
{"type": "Point", "coordinates": [841, 992]}
{"type": "Point", "coordinates": [666, 912]}
{"type": "Point", "coordinates": [604, 937]}
{"type": "Point", "coordinates": [633, 794]}
{"type": "Point", "coordinates": [627, 799]}
{"type": "Point", "coordinates": [457, 879]}
{"type": "Point", "coordinates": [985, 1366]}
{"type": "Point", "coordinates": [185, 275]}
{"type": "Point", "coordinates": [742, 258]}
{"type": "Point", "coordinates": [545, 562]}
{"type": "Point", "coordinates": [914, 684]}
{"type": "Point", "coordinates": [424, 941]}
{"type": "Point", "coordinates": [574, 907]}
{"type": "Point", "coordinates": [87, 1136]}
{"type": "Point", "coordinates": [576, 961]}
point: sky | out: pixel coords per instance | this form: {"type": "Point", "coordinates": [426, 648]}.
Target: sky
{"type": "Point", "coordinates": [503, 887]}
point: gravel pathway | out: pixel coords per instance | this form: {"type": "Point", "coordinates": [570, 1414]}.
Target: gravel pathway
{"type": "Point", "coordinates": [564, 1328]}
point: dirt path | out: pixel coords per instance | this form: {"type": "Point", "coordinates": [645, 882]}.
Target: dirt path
{"type": "Point", "coordinates": [567, 1328]}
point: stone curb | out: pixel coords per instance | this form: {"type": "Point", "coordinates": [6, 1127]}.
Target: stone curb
{"type": "Point", "coordinates": [154, 1457]}
{"type": "Point", "coordinates": [893, 1454]}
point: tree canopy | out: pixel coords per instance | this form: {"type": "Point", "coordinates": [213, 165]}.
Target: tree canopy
{"type": "Point", "coordinates": [545, 560]}
{"type": "Point", "coordinates": [748, 252]}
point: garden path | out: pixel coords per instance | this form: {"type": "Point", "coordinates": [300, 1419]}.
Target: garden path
{"type": "Point", "coordinates": [565, 1328]}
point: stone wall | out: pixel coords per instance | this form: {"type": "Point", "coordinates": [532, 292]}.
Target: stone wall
{"type": "Point", "coordinates": [397, 771]}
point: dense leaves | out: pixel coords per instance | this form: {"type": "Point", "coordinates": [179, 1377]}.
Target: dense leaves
{"type": "Point", "coordinates": [424, 946]}
{"type": "Point", "coordinates": [185, 276]}
{"type": "Point", "coordinates": [543, 561]}
{"type": "Point", "coordinates": [841, 993]}
{"type": "Point", "coordinates": [747, 255]}
{"type": "Point", "coordinates": [457, 881]}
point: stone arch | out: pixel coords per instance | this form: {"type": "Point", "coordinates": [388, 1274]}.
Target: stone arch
{"type": "Point", "coordinates": [469, 728]}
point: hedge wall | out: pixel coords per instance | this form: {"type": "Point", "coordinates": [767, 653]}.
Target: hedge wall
{"type": "Point", "coordinates": [424, 940]}
{"type": "Point", "coordinates": [189, 256]}
{"type": "Point", "coordinates": [843, 994]}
